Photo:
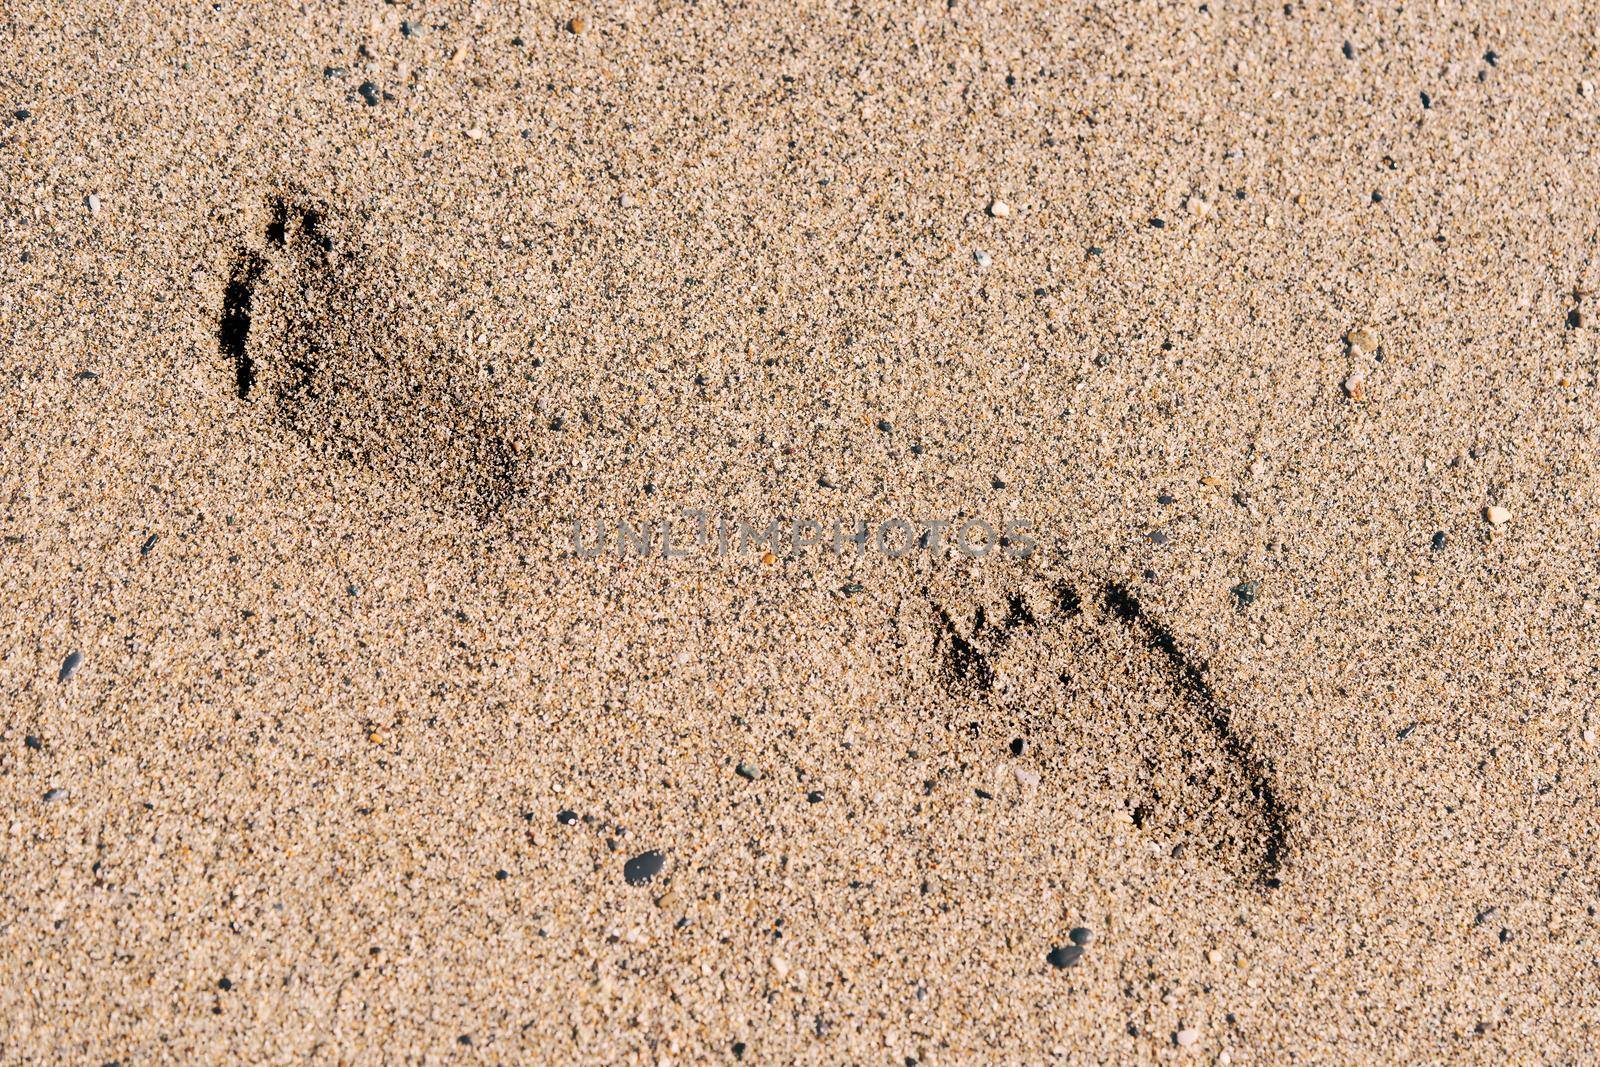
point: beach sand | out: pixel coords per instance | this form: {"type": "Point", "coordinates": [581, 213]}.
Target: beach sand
{"type": "Point", "coordinates": [1272, 329]}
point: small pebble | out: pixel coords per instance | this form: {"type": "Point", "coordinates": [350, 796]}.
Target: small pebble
{"type": "Point", "coordinates": [748, 771]}
{"type": "Point", "coordinates": [1362, 341]}
{"type": "Point", "coordinates": [1080, 935]}
{"type": "Point", "coordinates": [1065, 956]}
{"type": "Point", "coordinates": [1246, 592]}
{"type": "Point", "coordinates": [70, 665]}
{"type": "Point", "coordinates": [1497, 515]}
{"type": "Point", "coordinates": [1355, 386]}
{"type": "Point", "coordinates": [1157, 537]}
{"type": "Point", "coordinates": [814, 797]}
{"type": "Point", "coordinates": [53, 795]}
{"type": "Point", "coordinates": [33, 742]}
{"type": "Point", "coordinates": [22, 114]}
{"type": "Point", "coordinates": [578, 24]}
{"type": "Point", "coordinates": [1438, 541]}
{"type": "Point", "coordinates": [643, 867]}
{"type": "Point", "coordinates": [566, 817]}
{"type": "Point", "coordinates": [983, 259]}
{"type": "Point", "coordinates": [1188, 1038]}
{"type": "Point", "coordinates": [94, 204]}
{"type": "Point", "coordinates": [999, 209]}
{"type": "Point", "coordinates": [369, 93]}
{"type": "Point", "coordinates": [149, 543]}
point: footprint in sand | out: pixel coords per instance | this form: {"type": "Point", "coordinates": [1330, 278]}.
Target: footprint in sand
{"type": "Point", "coordinates": [1099, 686]}
{"type": "Point", "coordinates": [316, 339]}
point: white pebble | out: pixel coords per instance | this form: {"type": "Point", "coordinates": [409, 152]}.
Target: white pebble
{"type": "Point", "coordinates": [627, 200]}
{"type": "Point", "coordinates": [1188, 1038]}
{"type": "Point", "coordinates": [1497, 515]}
{"type": "Point", "coordinates": [475, 134]}
{"type": "Point", "coordinates": [1588, 737]}
{"type": "Point", "coordinates": [94, 204]}
{"type": "Point", "coordinates": [983, 258]}
{"type": "Point", "coordinates": [999, 208]}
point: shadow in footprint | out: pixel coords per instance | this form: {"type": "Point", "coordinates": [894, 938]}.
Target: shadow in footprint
{"type": "Point", "coordinates": [1099, 680]}
{"type": "Point", "coordinates": [316, 338]}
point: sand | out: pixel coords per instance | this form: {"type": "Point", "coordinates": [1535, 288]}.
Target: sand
{"type": "Point", "coordinates": [325, 323]}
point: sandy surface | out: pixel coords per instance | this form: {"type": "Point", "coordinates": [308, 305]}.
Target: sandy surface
{"type": "Point", "coordinates": [323, 323]}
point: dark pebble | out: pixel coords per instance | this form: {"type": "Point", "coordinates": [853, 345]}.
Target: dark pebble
{"type": "Point", "coordinates": [1065, 956]}
{"type": "Point", "coordinates": [1246, 592]}
{"type": "Point", "coordinates": [1166, 500]}
{"type": "Point", "coordinates": [1017, 745]}
{"type": "Point", "coordinates": [33, 742]}
{"type": "Point", "coordinates": [501, 875]}
{"type": "Point", "coordinates": [814, 797]}
{"type": "Point", "coordinates": [70, 665]}
{"type": "Point", "coordinates": [1377, 197]}
{"type": "Point", "coordinates": [1080, 935]}
{"type": "Point", "coordinates": [517, 42]}
{"type": "Point", "coordinates": [1157, 537]}
{"type": "Point", "coordinates": [984, 794]}
{"type": "Point", "coordinates": [1438, 541]}
{"type": "Point", "coordinates": [738, 1050]}
{"type": "Point", "coordinates": [149, 543]}
{"type": "Point", "coordinates": [885, 425]}
{"type": "Point", "coordinates": [643, 867]}
{"type": "Point", "coordinates": [369, 93]}
{"type": "Point", "coordinates": [1491, 57]}
{"type": "Point", "coordinates": [1427, 101]}
{"type": "Point", "coordinates": [224, 984]}
{"type": "Point", "coordinates": [464, 1039]}
{"type": "Point", "coordinates": [23, 114]}
{"type": "Point", "coordinates": [748, 771]}
{"type": "Point", "coordinates": [566, 817]}
{"type": "Point", "coordinates": [1159, 224]}
{"type": "Point", "coordinates": [53, 795]}
{"type": "Point", "coordinates": [1574, 319]}
{"type": "Point", "coordinates": [1349, 50]}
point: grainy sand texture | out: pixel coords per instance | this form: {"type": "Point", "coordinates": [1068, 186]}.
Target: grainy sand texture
{"type": "Point", "coordinates": [1179, 640]}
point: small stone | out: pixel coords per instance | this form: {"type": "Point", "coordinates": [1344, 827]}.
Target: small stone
{"type": "Point", "coordinates": [1246, 593]}
{"type": "Point", "coordinates": [22, 114]}
{"type": "Point", "coordinates": [1080, 935]}
{"type": "Point", "coordinates": [748, 771]}
{"type": "Point", "coordinates": [566, 817]}
{"type": "Point", "coordinates": [94, 203]}
{"type": "Point", "coordinates": [1586, 87]}
{"type": "Point", "coordinates": [1157, 537]}
{"type": "Point", "coordinates": [1188, 1038]}
{"type": "Point", "coordinates": [369, 93]}
{"type": "Point", "coordinates": [1025, 778]}
{"type": "Point", "coordinates": [51, 796]}
{"type": "Point", "coordinates": [1439, 541]}
{"type": "Point", "coordinates": [33, 742]}
{"type": "Point", "coordinates": [999, 209]}
{"type": "Point", "coordinates": [70, 665]}
{"type": "Point", "coordinates": [1355, 386]}
{"type": "Point", "coordinates": [983, 259]}
{"type": "Point", "coordinates": [1362, 341]}
{"type": "Point", "coordinates": [1213, 957]}
{"type": "Point", "coordinates": [1587, 735]}
{"type": "Point", "coordinates": [814, 797]}
{"type": "Point", "coordinates": [627, 200]}
{"type": "Point", "coordinates": [1065, 956]}
{"type": "Point", "coordinates": [474, 134]}
{"type": "Point", "coordinates": [149, 543]}
{"type": "Point", "coordinates": [577, 24]}
{"type": "Point", "coordinates": [1497, 515]}
{"type": "Point", "coordinates": [643, 867]}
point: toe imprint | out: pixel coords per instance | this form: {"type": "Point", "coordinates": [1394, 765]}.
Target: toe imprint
{"type": "Point", "coordinates": [1102, 676]}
